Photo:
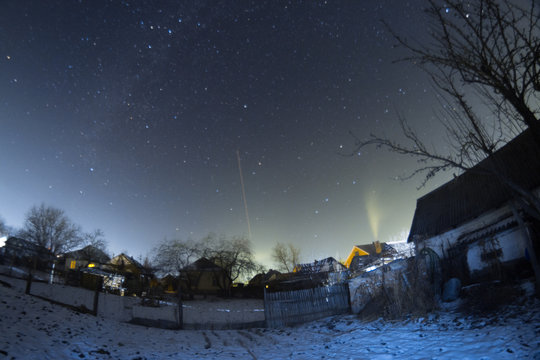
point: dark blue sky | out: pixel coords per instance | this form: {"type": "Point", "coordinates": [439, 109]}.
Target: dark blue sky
{"type": "Point", "coordinates": [128, 116]}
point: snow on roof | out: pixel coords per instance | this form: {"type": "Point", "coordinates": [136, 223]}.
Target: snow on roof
{"type": "Point", "coordinates": [476, 191]}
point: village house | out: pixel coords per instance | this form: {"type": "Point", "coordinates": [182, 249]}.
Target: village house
{"type": "Point", "coordinates": [204, 277]}
{"type": "Point", "coordinates": [89, 256]}
{"type": "Point", "coordinates": [475, 226]}
{"type": "Point", "coordinates": [319, 272]}
{"type": "Point", "coordinates": [320, 266]}
{"type": "Point", "coordinates": [85, 267]}
{"type": "Point", "coordinates": [264, 279]}
{"type": "Point", "coordinates": [17, 251]}
{"type": "Point", "coordinates": [362, 257]}
{"type": "Point", "coordinates": [137, 277]}
{"type": "Point", "coordinates": [169, 284]}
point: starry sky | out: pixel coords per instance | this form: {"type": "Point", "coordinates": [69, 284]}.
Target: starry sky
{"type": "Point", "coordinates": [129, 116]}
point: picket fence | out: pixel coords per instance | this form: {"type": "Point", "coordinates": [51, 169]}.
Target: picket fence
{"type": "Point", "coordinates": [287, 308]}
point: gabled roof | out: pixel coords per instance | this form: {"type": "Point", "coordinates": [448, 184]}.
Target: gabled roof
{"type": "Point", "coordinates": [21, 247]}
{"type": "Point", "coordinates": [261, 279]}
{"type": "Point", "coordinates": [369, 250]}
{"type": "Point", "coordinates": [203, 264]}
{"type": "Point", "coordinates": [325, 265]}
{"type": "Point", "coordinates": [126, 260]}
{"type": "Point", "coordinates": [89, 253]}
{"type": "Point", "coordinates": [478, 190]}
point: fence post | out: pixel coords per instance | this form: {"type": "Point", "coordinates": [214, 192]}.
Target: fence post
{"type": "Point", "coordinates": [265, 307]}
{"type": "Point", "coordinates": [28, 282]}
{"type": "Point", "coordinates": [180, 307]}
{"type": "Point", "coordinates": [96, 294]}
{"type": "Point", "coordinates": [348, 292]}
{"type": "Point", "coordinates": [51, 276]}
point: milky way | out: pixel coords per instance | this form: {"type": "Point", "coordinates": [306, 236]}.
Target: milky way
{"type": "Point", "coordinates": [129, 115]}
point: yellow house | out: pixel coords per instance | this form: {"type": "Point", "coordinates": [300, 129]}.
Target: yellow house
{"type": "Point", "coordinates": [126, 264]}
{"type": "Point", "coordinates": [364, 250]}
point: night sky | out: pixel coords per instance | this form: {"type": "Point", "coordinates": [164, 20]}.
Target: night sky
{"type": "Point", "coordinates": [129, 115]}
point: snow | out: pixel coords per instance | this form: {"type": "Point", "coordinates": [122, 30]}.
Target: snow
{"type": "Point", "coordinates": [403, 248]}
{"type": "Point", "coordinates": [36, 329]}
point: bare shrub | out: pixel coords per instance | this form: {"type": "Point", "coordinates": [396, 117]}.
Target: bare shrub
{"type": "Point", "coordinates": [405, 290]}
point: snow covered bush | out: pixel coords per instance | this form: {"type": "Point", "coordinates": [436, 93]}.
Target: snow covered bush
{"type": "Point", "coordinates": [397, 289]}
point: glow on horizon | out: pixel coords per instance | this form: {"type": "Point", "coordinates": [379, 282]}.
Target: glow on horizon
{"type": "Point", "coordinates": [373, 214]}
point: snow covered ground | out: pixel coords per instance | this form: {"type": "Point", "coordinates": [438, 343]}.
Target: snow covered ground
{"type": "Point", "coordinates": [35, 329]}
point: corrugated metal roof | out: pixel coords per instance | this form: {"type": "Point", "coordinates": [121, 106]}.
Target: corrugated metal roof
{"type": "Point", "coordinates": [501, 224]}
{"type": "Point", "coordinates": [478, 190]}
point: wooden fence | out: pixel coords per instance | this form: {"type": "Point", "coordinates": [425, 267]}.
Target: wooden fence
{"type": "Point", "coordinates": [287, 308]}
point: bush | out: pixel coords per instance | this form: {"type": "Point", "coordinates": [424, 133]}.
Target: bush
{"type": "Point", "coordinates": [400, 291]}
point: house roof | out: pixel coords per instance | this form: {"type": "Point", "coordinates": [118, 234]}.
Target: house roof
{"type": "Point", "coordinates": [203, 264]}
{"type": "Point", "coordinates": [261, 279]}
{"type": "Point", "coordinates": [21, 247]}
{"type": "Point", "coordinates": [372, 250]}
{"type": "Point", "coordinates": [478, 190]}
{"type": "Point", "coordinates": [125, 260]}
{"type": "Point", "coordinates": [96, 271]}
{"type": "Point", "coordinates": [89, 253]}
{"type": "Point", "coordinates": [327, 264]}
{"type": "Point", "coordinates": [369, 250]}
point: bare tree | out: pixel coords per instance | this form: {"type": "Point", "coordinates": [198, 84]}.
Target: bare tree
{"type": "Point", "coordinates": [6, 230]}
{"type": "Point", "coordinates": [95, 246]}
{"type": "Point", "coordinates": [172, 256]}
{"type": "Point", "coordinates": [286, 256]}
{"type": "Point", "coordinates": [51, 228]}
{"type": "Point", "coordinates": [488, 49]}
{"type": "Point", "coordinates": [234, 256]}
{"type": "Point", "coordinates": [147, 265]}
{"type": "Point", "coordinates": [96, 239]}
{"type": "Point", "coordinates": [3, 227]}
{"type": "Point", "coordinates": [483, 49]}
{"type": "Point", "coordinates": [492, 46]}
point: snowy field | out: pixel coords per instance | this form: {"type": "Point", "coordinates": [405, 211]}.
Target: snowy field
{"type": "Point", "coordinates": [36, 329]}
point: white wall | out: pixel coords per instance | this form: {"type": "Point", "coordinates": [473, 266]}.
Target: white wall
{"type": "Point", "coordinates": [166, 313]}
{"type": "Point", "coordinates": [64, 294]}
{"type": "Point", "coordinates": [116, 307]}
{"type": "Point", "coordinates": [441, 243]}
{"type": "Point", "coordinates": [513, 245]}
{"type": "Point", "coordinates": [512, 242]}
